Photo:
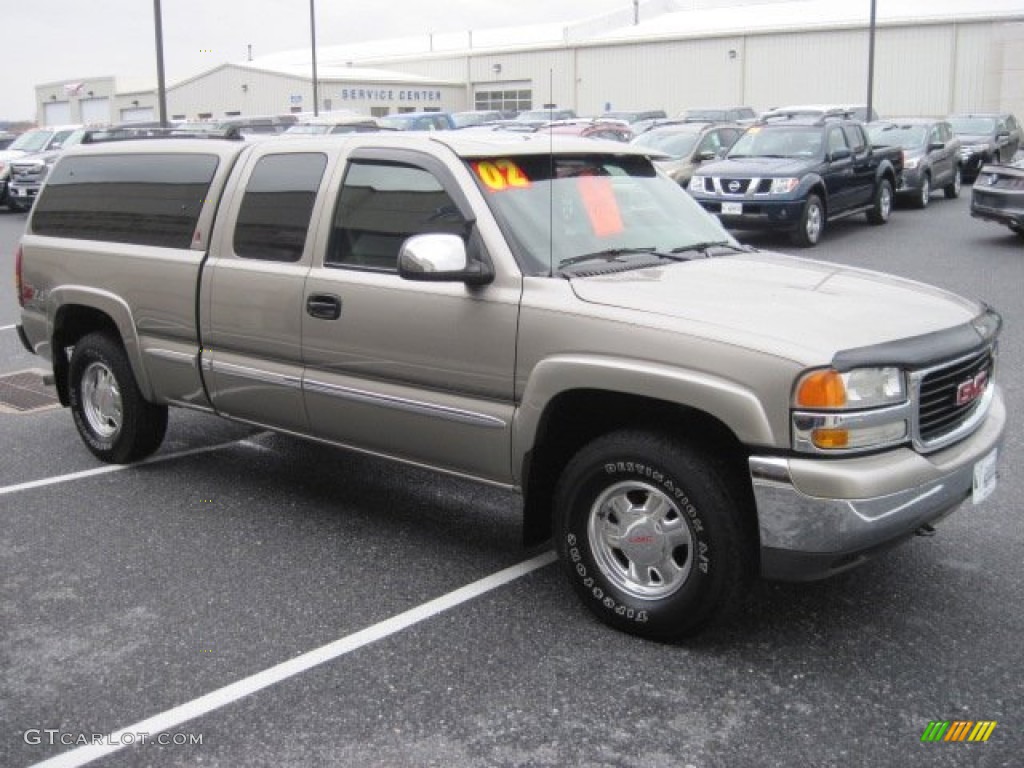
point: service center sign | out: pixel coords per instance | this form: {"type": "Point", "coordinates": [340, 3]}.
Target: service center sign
{"type": "Point", "coordinates": [369, 93]}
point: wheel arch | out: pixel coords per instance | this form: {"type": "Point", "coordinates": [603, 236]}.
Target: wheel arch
{"type": "Point", "coordinates": [574, 417]}
{"type": "Point", "coordinates": [78, 312]}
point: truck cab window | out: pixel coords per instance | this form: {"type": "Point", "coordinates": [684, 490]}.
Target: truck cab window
{"type": "Point", "coordinates": [278, 204]}
{"type": "Point", "coordinates": [380, 206]}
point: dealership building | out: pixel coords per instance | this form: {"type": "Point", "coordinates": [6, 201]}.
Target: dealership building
{"type": "Point", "coordinates": [932, 57]}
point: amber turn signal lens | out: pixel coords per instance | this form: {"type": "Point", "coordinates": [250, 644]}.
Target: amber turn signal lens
{"type": "Point", "coordinates": [831, 438]}
{"type": "Point", "coordinates": [822, 389]}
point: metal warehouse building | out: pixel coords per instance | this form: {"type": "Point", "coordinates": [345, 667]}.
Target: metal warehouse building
{"type": "Point", "coordinates": [932, 57]}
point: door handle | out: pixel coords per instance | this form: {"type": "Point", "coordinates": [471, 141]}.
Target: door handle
{"type": "Point", "coordinates": [324, 306]}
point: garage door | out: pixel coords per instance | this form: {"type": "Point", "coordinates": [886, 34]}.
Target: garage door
{"type": "Point", "coordinates": [95, 111]}
{"type": "Point", "coordinates": [136, 114]}
{"type": "Point", "coordinates": [57, 113]}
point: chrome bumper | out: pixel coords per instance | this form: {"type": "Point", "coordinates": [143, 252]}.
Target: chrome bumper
{"type": "Point", "coordinates": [817, 517]}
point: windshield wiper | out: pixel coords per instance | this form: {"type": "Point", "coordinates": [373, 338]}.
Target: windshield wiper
{"type": "Point", "coordinates": [609, 254]}
{"type": "Point", "coordinates": [706, 246]}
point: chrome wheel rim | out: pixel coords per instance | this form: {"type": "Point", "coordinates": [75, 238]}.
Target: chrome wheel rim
{"type": "Point", "coordinates": [641, 540]}
{"type": "Point", "coordinates": [813, 224]}
{"type": "Point", "coordinates": [885, 202]}
{"type": "Point", "coordinates": [926, 192]}
{"type": "Point", "coordinates": [101, 400]}
{"type": "Point", "coordinates": [957, 181]}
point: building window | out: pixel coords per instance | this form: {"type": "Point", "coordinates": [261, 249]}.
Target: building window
{"type": "Point", "coordinates": [233, 113]}
{"type": "Point", "coordinates": [504, 100]}
{"type": "Point", "coordinates": [278, 205]}
{"type": "Point", "coordinates": [380, 111]}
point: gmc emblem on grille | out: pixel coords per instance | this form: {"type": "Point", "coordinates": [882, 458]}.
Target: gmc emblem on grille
{"type": "Point", "coordinates": [971, 389]}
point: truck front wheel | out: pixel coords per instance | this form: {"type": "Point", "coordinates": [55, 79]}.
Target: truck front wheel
{"type": "Point", "coordinates": [649, 535]}
{"type": "Point", "coordinates": [116, 423]}
{"type": "Point", "coordinates": [882, 206]}
{"type": "Point", "coordinates": [812, 223]}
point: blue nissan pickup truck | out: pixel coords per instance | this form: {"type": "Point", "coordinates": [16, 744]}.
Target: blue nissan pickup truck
{"type": "Point", "coordinates": [795, 172]}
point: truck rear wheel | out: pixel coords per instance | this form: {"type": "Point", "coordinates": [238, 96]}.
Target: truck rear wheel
{"type": "Point", "coordinates": [649, 535]}
{"type": "Point", "coordinates": [115, 422]}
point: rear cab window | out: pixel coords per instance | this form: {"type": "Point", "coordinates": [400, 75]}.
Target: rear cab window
{"type": "Point", "coordinates": [144, 199]}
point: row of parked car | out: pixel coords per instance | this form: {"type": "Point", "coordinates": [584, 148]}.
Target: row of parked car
{"type": "Point", "coordinates": [793, 169]}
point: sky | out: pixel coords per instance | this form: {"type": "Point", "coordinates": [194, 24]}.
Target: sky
{"type": "Point", "coordinates": [55, 40]}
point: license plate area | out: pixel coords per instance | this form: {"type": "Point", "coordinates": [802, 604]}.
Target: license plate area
{"type": "Point", "coordinates": [732, 209]}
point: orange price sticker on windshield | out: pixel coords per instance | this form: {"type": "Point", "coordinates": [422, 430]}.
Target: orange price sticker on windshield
{"type": "Point", "coordinates": [498, 175]}
{"type": "Point", "coordinates": [600, 203]}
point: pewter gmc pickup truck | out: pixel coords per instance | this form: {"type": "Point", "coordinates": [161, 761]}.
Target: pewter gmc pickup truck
{"type": "Point", "coordinates": [553, 316]}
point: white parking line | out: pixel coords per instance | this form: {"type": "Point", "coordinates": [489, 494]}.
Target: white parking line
{"type": "Point", "coordinates": [7, 327]}
{"type": "Point", "coordinates": [172, 718]}
{"type": "Point", "coordinates": [107, 469]}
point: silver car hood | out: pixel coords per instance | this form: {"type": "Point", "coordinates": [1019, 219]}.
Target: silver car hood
{"type": "Point", "coordinates": [797, 308]}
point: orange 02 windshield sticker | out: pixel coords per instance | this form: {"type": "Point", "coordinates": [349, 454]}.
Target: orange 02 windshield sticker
{"type": "Point", "coordinates": [499, 175]}
{"type": "Point", "coordinates": [600, 203]}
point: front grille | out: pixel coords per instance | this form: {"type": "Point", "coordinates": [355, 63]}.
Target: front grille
{"type": "Point", "coordinates": [996, 201]}
{"type": "Point", "coordinates": [939, 413]}
{"type": "Point", "coordinates": [734, 186]}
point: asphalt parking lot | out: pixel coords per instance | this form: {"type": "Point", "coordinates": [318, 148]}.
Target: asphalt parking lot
{"type": "Point", "coordinates": [252, 599]}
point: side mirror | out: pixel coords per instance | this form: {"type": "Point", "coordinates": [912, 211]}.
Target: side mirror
{"type": "Point", "coordinates": [1002, 136]}
{"type": "Point", "coordinates": [936, 145]}
{"type": "Point", "coordinates": [706, 155]}
{"type": "Point", "coordinates": [439, 258]}
{"type": "Point", "coordinates": [841, 153]}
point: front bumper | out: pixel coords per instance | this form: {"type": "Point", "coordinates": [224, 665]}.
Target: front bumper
{"type": "Point", "coordinates": [758, 213]}
{"type": "Point", "coordinates": [999, 205]}
{"type": "Point", "coordinates": [818, 517]}
{"type": "Point", "coordinates": [25, 194]}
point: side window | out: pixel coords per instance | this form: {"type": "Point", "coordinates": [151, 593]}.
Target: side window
{"type": "Point", "coordinates": [855, 137]}
{"type": "Point", "coordinates": [709, 143]}
{"type": "Point", "coordinates": [142, 199]}
{"type": "Point", "coordinates": [728, 136]}
{"type": "Point", "coordinates": [381, 205]}
{"type": "Point", "coordinates": [935, 135]}
{"type": "Point", "coordinates": [836, 140]}
{"type": "Point", "coordinates": [277, 207]}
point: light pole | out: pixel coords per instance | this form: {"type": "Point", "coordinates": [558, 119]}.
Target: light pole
{"type": "Point", "coordinates": [871, 62]}
{"type": "Point", "coordinates": [312, 35]}
{"type": "Point", "coordinates": [161, 85]}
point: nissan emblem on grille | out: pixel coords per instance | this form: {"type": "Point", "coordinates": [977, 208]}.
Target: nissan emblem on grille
{"type": "Point", "coordinates": [734, 186]}
{"type": "Point", "coordinates": [971, 389]}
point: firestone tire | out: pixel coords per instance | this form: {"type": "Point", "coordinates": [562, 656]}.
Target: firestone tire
{"type": "Point", "coordinates": [952, 190]}
{"type": "Point", "coordinates": [882, 207]}
{"type": "Point", "coordinates": [115, 422]}
{"type": "Point", "coordinates": [649, 535]}
{"type": "Point", "coordinates": [812, 223]}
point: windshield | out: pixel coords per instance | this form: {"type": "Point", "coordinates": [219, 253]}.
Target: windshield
{"type": "Point", "coordinates": [969, 125]}
{"type": "Point", "coordinates": [677, 144]}
{"type": "Point", "coordinates": [537, 114]}
{"type": "Point", "coordinates": [898, 135]}
{"type": "Point", "coordinates": [32, 141]}
{"type": "Point", "coordinates": [710, 115]}
{"type": "Point", "coordinates": [778, 141]}
{"type": "Point", "coordinates": [556, 208]}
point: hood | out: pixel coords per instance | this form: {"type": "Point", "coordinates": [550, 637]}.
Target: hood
{"type": "Point", "coordinates": [783, 305]}
{"type": "Point", "coordinates": [6, 155]}
{"type": "Point", "coordinates": [757, 166]}
{"type": "Point", "coordinates": [40, 158]}
{"type": "Point", "coordinates": [975, 138]}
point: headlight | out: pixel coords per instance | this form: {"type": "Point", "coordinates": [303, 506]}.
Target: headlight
{"type": "Point", "coordinates": [911, 163]}
{"type": "Point", "coordinates": [862, 409]}
{"type": "Point", "coordinates": [696, 184]}
{"type": "Point", "coordinates": [784, 186]}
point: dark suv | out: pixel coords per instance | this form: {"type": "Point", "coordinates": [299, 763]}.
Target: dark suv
{"type": "Point", "coordinates": [985, 138]}
{"type": "Point", "coordinates": [931, 156]}
{"type": "Point", "coordinates": [793, 172]}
